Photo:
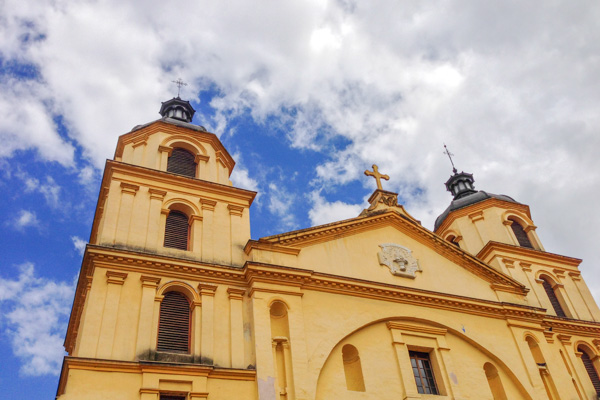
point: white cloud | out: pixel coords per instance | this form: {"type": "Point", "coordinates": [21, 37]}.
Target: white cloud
{"type": "Point", "coordinates": [49, 189]}
{"type": "Point", "coordinates": [511, 87]}
{"type": "Point", "coordinates": [280, 204]}
{"type": "Point", "coordinates": [25, 219]}
{"type": "Point", "coordinates": [34, 316]}
{"type": "Point", "coordinates": [323, 212]}
{"type": "Point", "coordinates": [79, 244]}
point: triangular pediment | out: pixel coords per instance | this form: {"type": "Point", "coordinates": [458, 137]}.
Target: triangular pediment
{"type": "Point", "coordinates": [365, 248]}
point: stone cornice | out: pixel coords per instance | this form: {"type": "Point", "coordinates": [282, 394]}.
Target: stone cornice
{"type": "Point", "coordinates": [497, 249]}
{"type": "Point", "coordinates": [160, 126]}
{"type": "Point", "coordinates": [161, 178]}
{"type": "Point", "coordinates": [139, 367]}
{"type": "Point", "coordinates": [295, 281]}
{"type": "Point", "coordinates": [258, 245]}
{"type": "Point", "coordinates": [480, 206]}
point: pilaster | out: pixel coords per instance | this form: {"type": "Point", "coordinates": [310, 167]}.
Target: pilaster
{"type": "Point", "coordinates": [128, 192]}
{"type": "Point", "coordinates": [207, 293]}
{"type": "Point", "coordinates": [208, 210]}
{"type": "Point", "coordinates": [115, 281]}
{"type": "Point", "coordinates": [149, 285]}
{"type": "Point", "coordinates": [236, 296]}
{"type": "Point", "coordinates": [154, 218]}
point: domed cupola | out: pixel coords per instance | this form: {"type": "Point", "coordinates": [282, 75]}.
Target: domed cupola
{"type": "Point", "coordinates": [460, 184]}
{"type": "Point", "coordinates": [177, 109]}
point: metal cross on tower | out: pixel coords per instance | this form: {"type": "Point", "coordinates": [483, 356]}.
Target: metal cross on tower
{"type": "Point", "coordinates": [179, 84]}
{"type": "Point", "coordinates": [378, 177]}
{"type": "Point", "coordinates": [447, 152]}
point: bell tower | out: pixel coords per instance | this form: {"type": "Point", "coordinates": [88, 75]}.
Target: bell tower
{"type": "Point", "coordinates": [500, 231]}
{"type": "Point", "coordinates": [165, 252]}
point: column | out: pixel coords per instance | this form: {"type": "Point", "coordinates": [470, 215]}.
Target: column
{"type": "Point", "coordinates": [208, 208]}
{"type": "Point", "coordinates": [406, 373]}
{"type": "Point", "coordinates": [236, 296]}
{"type": "Point", "coordinates": [149, 285]}
{"type": "Point", "coordinates": [196, 234]}
{"type": "Point", "coordinates": [289, 379]}
{"type": "Point", "coordinates": [163, 159]}
{"type": "Point", "coordinates": [154, 218]}
{"type": "Point", "coordinates": [477, 220]}
{"type": "Point", "coordinates": [202, 172]}
{"type": "Point", "coordinates": [128, 192]}
{"type": "Point", "coordinates": [207, 341]}
{"type": "Point", "coordinates": [114, 281]}
{"type": "Point", "coordinates": [448, 366]}
{"type": "Point", "coordinates": [235, 235]}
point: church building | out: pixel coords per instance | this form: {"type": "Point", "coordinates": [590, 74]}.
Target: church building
{"type": "Point", "coordinates": [175, 300]}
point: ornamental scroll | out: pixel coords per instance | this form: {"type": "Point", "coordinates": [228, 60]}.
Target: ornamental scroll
{"type": "Point", "coordinates": [399, 260]}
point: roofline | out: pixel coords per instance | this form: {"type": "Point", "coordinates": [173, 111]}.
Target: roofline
{"type": "Point", "coordinates": [480, 205]}
{"type": "Point", "coordinates": [487, 250]}
{"type": "Point", "coordinates": [162, 125]}
{"type": "Point", "coordinates": [358, 224]}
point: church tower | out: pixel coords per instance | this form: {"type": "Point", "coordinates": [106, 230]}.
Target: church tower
{"type": "Point", "coordinates": [148, 321]}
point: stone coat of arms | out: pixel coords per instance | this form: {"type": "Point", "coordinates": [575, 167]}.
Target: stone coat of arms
{"type": "Point", "coordinates": [399, 260]}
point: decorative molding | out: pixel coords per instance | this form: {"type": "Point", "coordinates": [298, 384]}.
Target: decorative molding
{"type": "Point", "coordinates": [525, 266]}
{"type": "Point", "coordinates": [201, 157]}
{"type": "Point", "coordinates": [129, 188]}
{"type": "Point", "coordinates": [267, 246]}
{"type": "Point", "coordinates": [157, 194]}
{"type": "Point", "coordinates": [518, 251]}
{"type": "Point", "coordinates": [236, 293]}
{"type": "Point", "coordinates": [560, 273]}
{"type": "Point", "coordinates": [529, 228]}
{"type": "Point", "coordinates": [476, 216]}
{"type": "Point", "coordinates": [416, 328]}
{"type": "Point", "coordinates": [564, 339]}
{"type": "Point", "coordinates": [508, 263]}
{"type": "Point", "coordinates": [117, 278]}
{"type": "Point", "coordinates": [235, 210]}
{"type": "Point", "coordinates": [399, 260]}
{"type": "Point", "coordinates": [576, 276]}
{"type": "Point", "coordinates": [207, 204]}
{"type": "Point", "coordinates": [207, 289]}
{"type": "Point", "coordinates": [549, 335]}
{"type": "Point", "coordinates": [150, 281]}
{"type": "Point", "coordinates": [507, 222]}
{"type": "Point", "coordinates": [165, 149]}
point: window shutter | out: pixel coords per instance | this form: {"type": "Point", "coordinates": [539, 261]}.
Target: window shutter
{"type": "Point", "coordinates": [589, 367]}
{"type": "Point", "coordinates": [553, 299]}
{"type": "Point", "coordinates": [174, 323]}
{"type": "Point", "coordinates": [176, 230]}
{"type": "Point", "coordinates": [521, 235]}
{"type": "Point", "coordinates": [182, 162]}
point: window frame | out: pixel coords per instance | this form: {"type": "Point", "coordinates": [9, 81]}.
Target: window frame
{"type": "Point", "coordinates": [421, 362]}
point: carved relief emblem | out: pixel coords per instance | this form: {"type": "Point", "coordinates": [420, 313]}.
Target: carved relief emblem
{"type": "Point", "coordinates": [399, 260]}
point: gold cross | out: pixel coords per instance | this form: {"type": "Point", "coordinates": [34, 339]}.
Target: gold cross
{"type": "Point", "coordinates": [378, 177]}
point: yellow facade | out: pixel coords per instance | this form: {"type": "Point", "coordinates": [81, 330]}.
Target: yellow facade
{"type": "Point", "coordinates": [337, 311]}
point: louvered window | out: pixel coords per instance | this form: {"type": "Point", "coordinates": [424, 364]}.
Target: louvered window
{"type": "Point", "coordinates": [174, 324]}
{"type": "Point", "coordinates": [176, 230]}
{"type": "Point", "coordinates": [521, 235]}
{"type": "Point", "coordinates": [182, 162]}
{"type": "Point", "coordinates": [589, 367]}
{"type": "Point", "coordinates": [553, 299]}
{"type": "Point", "coordinates": [423, 373]}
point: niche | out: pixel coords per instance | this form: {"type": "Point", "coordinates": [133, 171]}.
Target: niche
{"type": "Point", "coordinates": [282, 354]}
{"type": "Point", "coordinates": [352, 369]}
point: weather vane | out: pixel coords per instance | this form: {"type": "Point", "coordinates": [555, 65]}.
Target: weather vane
{"type": "Point", "coordinates": [447, 152]}
{"type": "Point", "coordinates": [179, 84]}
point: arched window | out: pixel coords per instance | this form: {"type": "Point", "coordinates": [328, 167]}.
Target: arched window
{"type": "Point", "coordinates": [177, 230]}
{"type": "Point", "coordinates": [282, 351]}
{"type": "Point", "coordinates": [182, 162]}
{"type": "Point", "coordinates": [352, 369]}
{"type": "Point", "coordinates": [553, 298]}
{"type": "Point", "coordinates": [454, 240]}
{"type": "Point", "coordinates": [174, 323]}
{"type": "Point", "coordinates": [520, 234]}
{"type": "Point", "coordinates": [588, 363]}
{"type": "Point", "coordinates": [491, 373]}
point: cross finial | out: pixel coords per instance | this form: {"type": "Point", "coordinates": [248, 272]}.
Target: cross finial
{"type": "Point", "coordinates": [179, 84]}
{"type": "Point", "coordinates": [378, 177]}
{"type": "Point", "coordinates": [447, 152]}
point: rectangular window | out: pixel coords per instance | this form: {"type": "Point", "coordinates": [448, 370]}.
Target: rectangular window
{"type": "Point", "coordinates": [423, 373]}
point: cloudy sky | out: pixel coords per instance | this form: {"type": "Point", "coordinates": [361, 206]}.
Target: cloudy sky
{"type": "Point", "coordinates": [306, 95]}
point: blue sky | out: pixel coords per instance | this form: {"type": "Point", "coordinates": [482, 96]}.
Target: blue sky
{"type": "Point", "coordinates": [305, 96]}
